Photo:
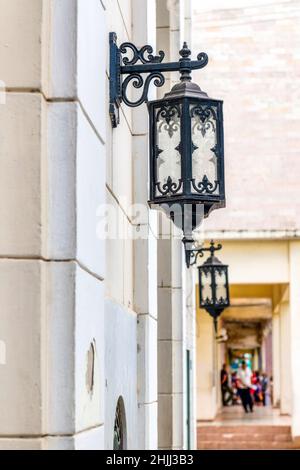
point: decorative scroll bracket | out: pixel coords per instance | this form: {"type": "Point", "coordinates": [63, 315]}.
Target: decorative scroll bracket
{"type": "Point", "coordinates": [192, 254]}
{"type": "Point", "coordinates": [121, 64]}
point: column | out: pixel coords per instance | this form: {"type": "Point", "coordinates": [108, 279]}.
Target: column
{"type": "Point", "coordinates": [295, 334]}
{"type": "Point", "coordinates": [206, 367]}
{"type": "Point", "coordinates": [74, 188]}
{"type": "Point", "coordinates": [189, 343]}
{"type": "Point", "coordinates": [170, 346]}
{"type": "Point", "coordinates": [285, 359]}
{"type": "Point", "coordinates": [276, 358]}
{"type": "Point", "coordinates": [21, 207]}
{"type": "Point", "coordinates": [255, 364]}
{"type": "Point", "coordinates": [188, 296]}
{"type": "Point", "coordinates": [170, 316]}
{"type": "Point", "coordinates": [145, 248]}
{"type": "Point", "coordinates": [263, 355]}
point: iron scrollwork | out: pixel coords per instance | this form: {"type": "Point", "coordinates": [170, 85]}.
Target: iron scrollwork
{"type": "Point", "coordinates": [205, 186]}
{"type": "Point", "coordinates": [192, 254]}
{"type": "Point", "coordinates": [137, 78]}
{"type": "Point", "coordinates": [132, 62]}
{"type": "Point", "coordinates": [207, 117]}
{"type": "Point", "coordinates": [138, 82]}
{"type": "Point", "coordinates": [139, 54]}
{"type": "Point", "coordinates": [170, 116]}
{"type": "Point", "coordinates": [169, 187]}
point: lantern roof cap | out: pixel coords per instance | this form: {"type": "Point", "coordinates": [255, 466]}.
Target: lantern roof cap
{"type": "Point", "coordinates": [186, 89]}
{"type": "Point", "coordinates": [213, 261]}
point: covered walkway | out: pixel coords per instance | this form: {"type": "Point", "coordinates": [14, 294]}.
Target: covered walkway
{"type": "Point", "coordinates": [262, 327]}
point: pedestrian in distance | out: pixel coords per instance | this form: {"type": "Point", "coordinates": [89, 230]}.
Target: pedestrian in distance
{"type": "Point", "coordinates": [244, 376]}
{"type": "Point", "coordinates": [227, 393]}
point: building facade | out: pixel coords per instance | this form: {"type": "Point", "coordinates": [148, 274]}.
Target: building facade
{"type": "Point", "coordinates": [97, 332]}
{"type": "Point", "coordinates": [102, 343]}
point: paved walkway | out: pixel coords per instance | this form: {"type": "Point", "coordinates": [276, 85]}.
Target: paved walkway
{"type": "Point", "coordinates": [235, 416]}
{"type": "Point", "coordinates": [234, 429]}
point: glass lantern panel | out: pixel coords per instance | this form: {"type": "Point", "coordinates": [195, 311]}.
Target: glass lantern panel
{"type": "Point", "coordinates": [168, 158]}
{"type": "Point", "coordinates": [221, 285]}
{"type": "Point", "coordinates": [206, 287]}
{"type": "Point", "coordinates": [204, 149]}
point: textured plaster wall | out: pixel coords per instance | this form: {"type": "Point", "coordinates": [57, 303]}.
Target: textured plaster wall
{"type": "Point", "coordinates": [52, 264]}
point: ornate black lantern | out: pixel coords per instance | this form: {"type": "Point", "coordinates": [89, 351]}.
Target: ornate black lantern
{"type": "Point", "coordinates": [186, 132]}
{"type": "Point", "coordinates": [213, 281]}
{"type": "Point", "coordinates": [186, 151]}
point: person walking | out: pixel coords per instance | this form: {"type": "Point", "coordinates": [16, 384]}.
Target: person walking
{"type": "Point", "coordinates": [227, 394]}
{"type": "Point", "coordinates": [244, 383]}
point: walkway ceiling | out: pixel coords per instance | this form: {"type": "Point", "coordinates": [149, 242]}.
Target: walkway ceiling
{"type": "Point", "coordinates": [246, 321]}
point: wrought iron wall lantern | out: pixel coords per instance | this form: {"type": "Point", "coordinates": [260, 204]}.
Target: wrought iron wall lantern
{"type": "Point", "coordinates": [213, 280]}
{"type": "Point", "coordinates": [185, 132]}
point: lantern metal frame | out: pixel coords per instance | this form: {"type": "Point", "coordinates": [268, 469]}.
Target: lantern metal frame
{"type": "Point", "coordinates": [212, 306]}
{"type": "Point", "coordinates": [210, 194]}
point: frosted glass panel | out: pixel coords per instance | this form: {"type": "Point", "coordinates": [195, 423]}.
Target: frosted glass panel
{"type": "Point", "coordinates": [204, 140]}
{"type": "Point", "coordinates": [206, 286]}
{"type": "Point", "coordinates": [168, 158]}
{"type": "Point", "coordinates": [221, 292]}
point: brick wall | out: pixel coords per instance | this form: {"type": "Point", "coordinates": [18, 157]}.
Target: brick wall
{"type": "Point", "coordinates": [255, 67]}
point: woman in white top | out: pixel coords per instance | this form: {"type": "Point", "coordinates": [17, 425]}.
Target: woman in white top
{"type": "Point", "coordinates": [244, 385]}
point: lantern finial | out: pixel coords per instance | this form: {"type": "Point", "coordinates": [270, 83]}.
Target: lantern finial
{"type": "Point", "coordinates": [185, 52]}
{"type": "Point", "coordinates": [185, 58]}
{"type": "Point", "coordinates": [214, 248]}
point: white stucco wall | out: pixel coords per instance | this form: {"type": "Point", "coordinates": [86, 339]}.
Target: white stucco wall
{"type": "Point", "coordinates": [120, 370]}
{"type": "Point", "coordinates": [54, 267]}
